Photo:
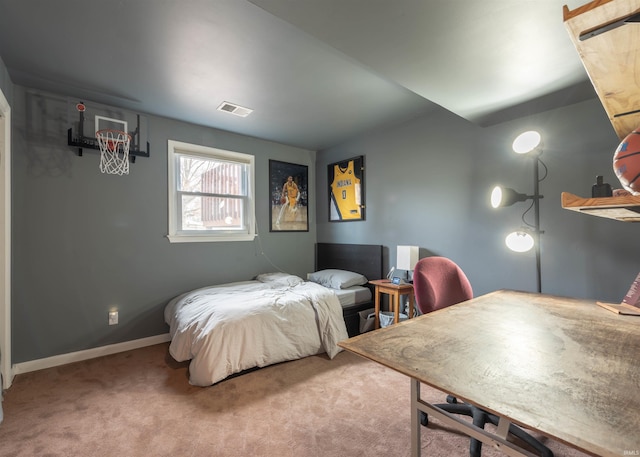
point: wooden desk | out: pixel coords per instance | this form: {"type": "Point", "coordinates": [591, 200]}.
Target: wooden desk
{"type": "Point", "coordinates": [565, 367]}
{"type": "Point", "coordinates": [395, 291]}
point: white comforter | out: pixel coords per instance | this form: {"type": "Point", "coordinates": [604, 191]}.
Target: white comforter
{"type": "Point", "coordinates": [233, 327]}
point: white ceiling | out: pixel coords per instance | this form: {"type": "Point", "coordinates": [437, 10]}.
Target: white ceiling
{"type": "Point", "coordinates": [315, 72]}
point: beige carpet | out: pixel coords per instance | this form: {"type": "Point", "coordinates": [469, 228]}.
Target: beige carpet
{"type": "Point", "coordinates": [139, 403]}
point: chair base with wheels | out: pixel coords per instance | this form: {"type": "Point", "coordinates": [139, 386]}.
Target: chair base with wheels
{"type": "Point", "coordinates": [480, 418]}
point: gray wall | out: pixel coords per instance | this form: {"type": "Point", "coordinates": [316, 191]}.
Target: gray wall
{"type": "Point", "coordinates": [6, 86]}
{"type": "Point", "coordinates": [428, 184]}
{"type": "Point", "coordinates": [84, 242]}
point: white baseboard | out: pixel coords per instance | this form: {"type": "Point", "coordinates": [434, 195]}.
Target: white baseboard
{"type": "Point", "coordinates": [63, 359]}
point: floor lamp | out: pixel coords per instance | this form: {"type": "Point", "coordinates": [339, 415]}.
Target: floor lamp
{"type": "Point", "coordinates": [528, 237]}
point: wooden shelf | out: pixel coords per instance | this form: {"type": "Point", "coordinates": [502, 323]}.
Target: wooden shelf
{"type": "Point", "coordinates": [606, 34]}
{"type": "Point", "coordinates": [625, 208]}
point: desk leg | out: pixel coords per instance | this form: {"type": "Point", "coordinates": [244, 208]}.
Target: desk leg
{"type": "Point", "coordinates": [377, 310]}
{"type": "Point", "coordinates": [415, 418]}
{"type": "Point", "coordinates": [497, 439]}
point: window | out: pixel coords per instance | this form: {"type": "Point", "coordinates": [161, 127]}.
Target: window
{"type": "Point", "coordinates": [211, 194]}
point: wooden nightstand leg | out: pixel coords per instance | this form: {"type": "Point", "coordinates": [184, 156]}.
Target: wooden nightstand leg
{"type": "Point", "coordinates": [411, 305]}
{"type": "Point", "coordinates": [396, 307]}
{"type": "Point", "coordinates": [377, 311]}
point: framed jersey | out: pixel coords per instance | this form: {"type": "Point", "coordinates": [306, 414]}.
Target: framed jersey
{"type": "Point", "coordinates": [346, 190]}
{"type": "Point", "coordinates": [288, 193]}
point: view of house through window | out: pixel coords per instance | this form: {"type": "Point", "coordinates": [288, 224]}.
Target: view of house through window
{"type": "Point", "coordinates": [212, 194]}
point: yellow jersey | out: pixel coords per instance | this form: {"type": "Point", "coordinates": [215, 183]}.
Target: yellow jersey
{"type": "Point", "coordinates": [292, 193]}
{"type": "Point", "coordinates": [345, 192]}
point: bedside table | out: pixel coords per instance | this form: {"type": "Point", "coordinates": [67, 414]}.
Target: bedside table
{"type": "Point", "coordinates": [394, 291]}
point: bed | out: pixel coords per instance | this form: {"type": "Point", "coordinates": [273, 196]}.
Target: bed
{"type": "Point", "coordinates": [229, 328]}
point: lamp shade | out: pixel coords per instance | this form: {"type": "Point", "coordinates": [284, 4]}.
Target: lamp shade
{"type": "Point", "coordinates": [526, 142]}
{"type": "Point", "coordinates": [407, 257]}
{"type": "Point", "coordinates": [505, 196]}
{"type": "Point", "coordinates": [520, 241]}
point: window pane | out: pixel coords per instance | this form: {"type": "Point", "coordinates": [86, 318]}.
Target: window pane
{"type": "Point", "coordinates": [211, 213]}
{"type": "Point", "coordinates": [211, 176]}
{"type": "Point", "coordinates": [211, 194]}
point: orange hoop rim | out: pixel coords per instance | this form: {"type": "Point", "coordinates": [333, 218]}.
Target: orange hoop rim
{"type": "Point", "coordinates": [118, 133]}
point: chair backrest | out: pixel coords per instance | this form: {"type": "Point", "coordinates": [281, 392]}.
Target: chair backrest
{"type": "Point", "coordinates": [439, 282]}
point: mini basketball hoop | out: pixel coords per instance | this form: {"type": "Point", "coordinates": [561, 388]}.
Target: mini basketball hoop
{"type": "Point", "coordinates": [114, 151]}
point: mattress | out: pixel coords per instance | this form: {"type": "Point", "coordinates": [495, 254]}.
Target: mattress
{"type": "Point", "coordinates": [227, 328]}
{"type": "Point", "coordinates": [353, 295]}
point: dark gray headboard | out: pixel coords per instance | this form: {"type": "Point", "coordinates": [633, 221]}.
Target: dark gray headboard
{"type": "Point", "coordinates": [365, 259]}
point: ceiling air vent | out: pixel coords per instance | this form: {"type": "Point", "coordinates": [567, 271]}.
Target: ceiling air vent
{"type": "Point", "coordinates": [234, 109]}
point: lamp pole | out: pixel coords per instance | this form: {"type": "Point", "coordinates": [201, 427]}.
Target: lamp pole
{"type": "Point", "coordinates": [536, 207]}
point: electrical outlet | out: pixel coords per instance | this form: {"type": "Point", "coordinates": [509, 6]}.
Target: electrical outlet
{"type": "Point", "coordinates": [113, 317]}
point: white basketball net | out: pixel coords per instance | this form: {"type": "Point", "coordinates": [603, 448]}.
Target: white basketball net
{"type": "Point", "coordinates": [114, 151]}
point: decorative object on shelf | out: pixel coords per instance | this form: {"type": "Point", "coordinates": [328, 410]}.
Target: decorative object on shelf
{"type": "Point", "coordinates": [626, 162]}
{"type": "Point", "coordinates": [601, 188]}
{"type": "Point", "coordinates": [406, 259]}
{"type": "Point", "coordinates": [346, 190]}
{"type": "Point", "coordinates": [289, 195]}
{"type": "Point", "coordinates": [529, 143]}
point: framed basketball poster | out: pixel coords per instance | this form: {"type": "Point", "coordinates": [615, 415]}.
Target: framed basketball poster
{"type": "Point", "coordinates": [289, 196]}
{"type": "Point", "coordinates": [346, 190]}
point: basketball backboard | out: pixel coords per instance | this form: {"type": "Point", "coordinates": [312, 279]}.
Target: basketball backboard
{"type": "Point", "coordinates": [86, 118]}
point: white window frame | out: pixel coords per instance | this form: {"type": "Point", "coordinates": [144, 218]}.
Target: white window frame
{"type": "Point", "coordinates": [177, 148]}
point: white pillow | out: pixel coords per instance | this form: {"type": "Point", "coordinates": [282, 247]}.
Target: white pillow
{"type": "Point", "coordinates": [281, 278]}
{"type": "Point", "coordinates": [337, 279]}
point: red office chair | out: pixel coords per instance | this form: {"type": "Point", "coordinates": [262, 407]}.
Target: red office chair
{"type": "Point", "coordinates": [438, 282]}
